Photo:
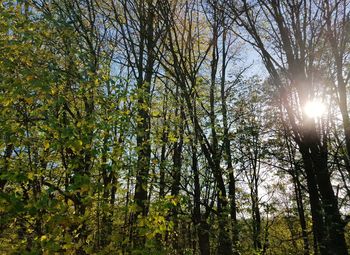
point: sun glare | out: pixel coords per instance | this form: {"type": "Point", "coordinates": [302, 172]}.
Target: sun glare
{"type": "Point", "coordinates": [315, 109]}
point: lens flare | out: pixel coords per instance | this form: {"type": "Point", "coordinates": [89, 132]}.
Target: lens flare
{"type": "Point", "coordinates": [314, 109]}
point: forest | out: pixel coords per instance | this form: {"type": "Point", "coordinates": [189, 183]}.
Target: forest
{"type": "Point", "coordinates": [184, 127]}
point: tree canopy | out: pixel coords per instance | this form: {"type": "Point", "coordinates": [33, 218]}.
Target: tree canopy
{"type": "Point", "coordinates": [175, 127]}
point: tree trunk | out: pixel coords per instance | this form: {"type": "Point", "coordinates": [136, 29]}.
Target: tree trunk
{"type": "Point", "coordinates": [202, 227]}
{"type": "Point", "coordinates": [315, 203]}
{"type": "Point", "coordinates": [227, 149]}
{"type": "Point", "coordinates": [301, 211]}
{"type": "Point", "coordinates": [333, 221]}
{"type": "Point", "coordinates": [177, 164]}
{"type": "Point", "coordinates": [224, 241]}
{"type": "Point", "coordinates": [145, 74]}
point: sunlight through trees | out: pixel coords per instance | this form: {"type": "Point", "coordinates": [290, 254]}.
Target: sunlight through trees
{"type": "Point", "coordinates": [175, 127]}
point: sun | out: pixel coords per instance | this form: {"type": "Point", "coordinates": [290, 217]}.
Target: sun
{"type": "Point", "coordinates": [314, 109]}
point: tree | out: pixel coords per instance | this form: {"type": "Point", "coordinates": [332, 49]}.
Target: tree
{"type": "Point", "coordinates": [297, 36]}
{"type": "Point", "coordinates": [139, 127]}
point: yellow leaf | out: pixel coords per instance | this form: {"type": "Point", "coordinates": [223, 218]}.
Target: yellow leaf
{"type": "Point", "coordinates": [67, 246]}
{"type": "Point", "coordinates": [77, 145]}
{"type": "Point", "coordinates": [46, 145]}
{"type": "Point", "coordinates": [172, 138]}
{"type": "Point", "coordinates": [29, 100]}
{"type": "Point", "coordinates": [53, 91]}
{"type": "Point", "coordinates": [31, 176]}
{"type": "Point", "coordinates": [7, 102]}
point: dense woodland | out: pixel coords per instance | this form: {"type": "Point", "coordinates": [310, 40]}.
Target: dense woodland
{"type": "Point", "coordinates": [174, 127]}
